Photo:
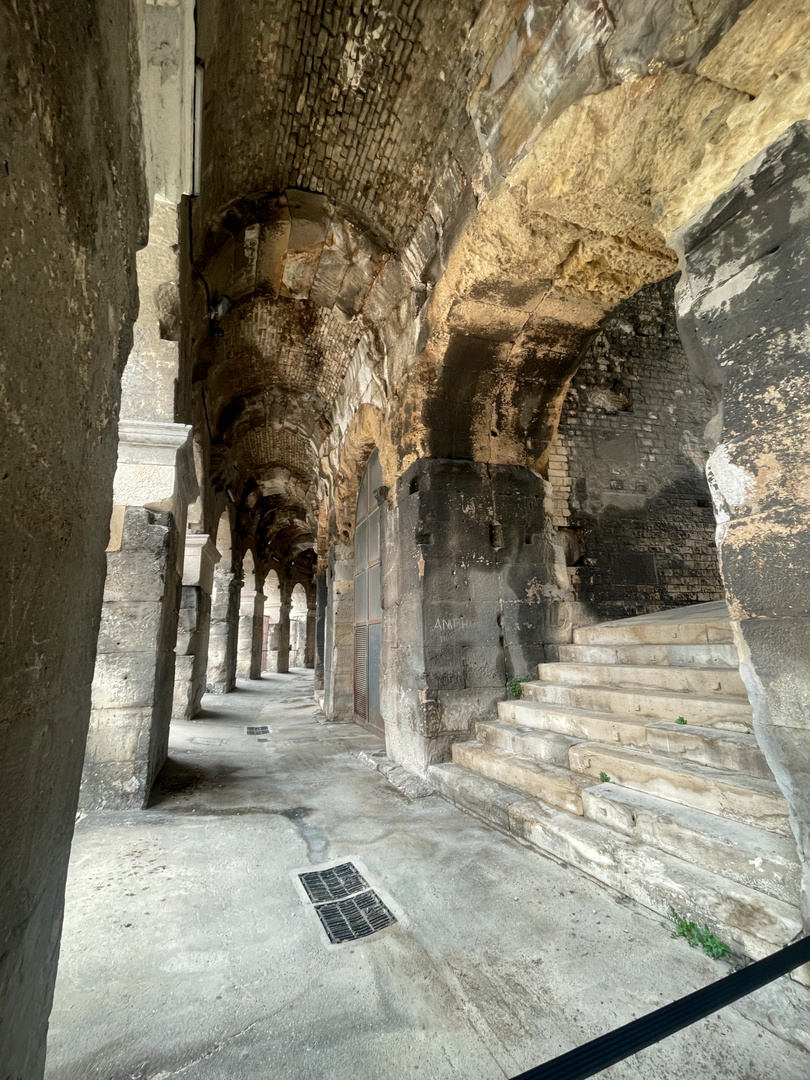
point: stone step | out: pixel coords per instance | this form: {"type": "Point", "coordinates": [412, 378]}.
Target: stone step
{"type": "Point", "coordinates": [735, 751]}
{"type": "Point", "coordinates": [556, 786]}
{"type": "Point", "coordinates": [526, 742]}
{"type": "Point", "coordinates": [730, 713]}
{"type": "Point", "coordinates": [742, 798]}
{"type": "Point", "coordinates": [690, 656]}
{"type": "Point", "coordinates": [587, 725]}
{"type": "Point", "coordinates": [754, 857]}
{"type": "Point", "coordinates": [655, 632]}
{"type": "Point", "coordinates": [704, 681]}
{"type": "Point", "coordinates": [755, 924]}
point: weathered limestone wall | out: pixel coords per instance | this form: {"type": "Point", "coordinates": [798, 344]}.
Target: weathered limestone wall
{"type": "Point", "coordinates": [339, 634]}
{"type": "Point", "coordinates": [321, 597]}
{"type": "Point", "coordinates": [628, 468]}
{"type": "Point", "coordinates": [474, 590]}
{"type": "Point", "coordinates": [744, 303]}
{"type": "Point", "coordinates": [72, 212]}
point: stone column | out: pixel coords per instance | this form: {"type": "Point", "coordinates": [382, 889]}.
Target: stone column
{"type": "Point", "coordinates": [244, 649]}
{"type": "Point", "coordinates": [744, 305]}
{"type": "Point", "coordinates": [309, 649]}
{"type": "Point", "coordinates": [255, 671]}
{"type": "Point", "coordinates": [339, 635]}
{"type": "Point", "coordinates": [133, 682]}
{"type": "Point", "coordinates": [283, 628]}
{"type": "Point", "coordinates": [194, 625]}
{"type": "Point", "coordinates": [474, 589]}
{"type": "Point", "coordinates": [321, 597]}
{"type": "Point", "coordinates": [222, 642]}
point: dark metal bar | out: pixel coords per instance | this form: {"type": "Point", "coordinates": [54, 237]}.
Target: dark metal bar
{"type": "Point", "coordinates": [600, 1053]}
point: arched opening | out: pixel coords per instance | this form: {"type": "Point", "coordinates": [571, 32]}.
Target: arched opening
{"type": "Point", "coordinates": [272, 609]}
{"type": "Point", "coordinates": [367, 601]}
{"type": "Point", "coordinates": [298, 627]}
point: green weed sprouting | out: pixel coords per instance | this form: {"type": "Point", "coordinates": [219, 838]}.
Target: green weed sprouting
{"type": "Point", "coordinates": [515, 687]}
{"type": "Point", "coordinates": [699, 936]}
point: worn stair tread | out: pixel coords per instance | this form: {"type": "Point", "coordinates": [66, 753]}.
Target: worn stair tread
{"type": "Point", "coordinates": [695, 625]}
{"type": "Point", "coordinates": [655, 704]}
{"type": "Point", "coordinates": [560, 787]}
{"type": "Point", "coordinates": [753, 922]}
{"type": "Point", "coordinates": [590, 725]}
{"type": "Point", "coordinates": [749, 799]}
{"type": "Point", "coordinates": [548, 746]}
{"type": "Point", "coordinates": [703, 682]}
{"type": "Point", "coordinates": [736, 751]}
{"type": "Point", "coordinates": [762, 860]}
{"type": "Point", "coordinates": [715, 656]}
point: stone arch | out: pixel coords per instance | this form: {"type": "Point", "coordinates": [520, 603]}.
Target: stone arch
{"type": "Point", "coordinates": [298, 626]}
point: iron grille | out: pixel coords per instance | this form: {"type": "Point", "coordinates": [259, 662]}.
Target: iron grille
{"type": "Point", "coordinates": [355, 917]}
{"type": "Point", "coordinates": [334, 883]}
{"type": "Point", "coordinates": [361, 672]}
{"type": "Point", "coordinates": [347, 906]}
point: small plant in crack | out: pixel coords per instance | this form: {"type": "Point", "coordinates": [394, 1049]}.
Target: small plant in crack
{"type": "Point", "coordinates": [699, 936]}
{"type": "Point", "coordinates": [515, 687]}
{"type": "Point", "coordinates": [680, 720]}
{"type": "Point", "coordinates": [604, 778]}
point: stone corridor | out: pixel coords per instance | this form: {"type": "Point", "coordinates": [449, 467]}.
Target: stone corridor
{"type": "Point", "coordinates": [435, 349]}
{"type": "Point", "coordinates": [188, 953]}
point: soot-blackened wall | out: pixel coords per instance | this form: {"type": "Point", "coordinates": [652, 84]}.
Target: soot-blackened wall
{"type": "Point", "coordinates": [629, 464]}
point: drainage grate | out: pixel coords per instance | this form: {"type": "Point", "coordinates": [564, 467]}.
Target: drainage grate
{"type": "Point", "coordinates": [258, 730]}
{"type": "Point", "coordinates": [347, 907]}
{"type": "Point", "coordinates": [355, 917]}
{"type": "Point", "coordinates": [333, 884]}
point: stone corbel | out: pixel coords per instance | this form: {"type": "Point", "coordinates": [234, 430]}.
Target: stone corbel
{"type": "Point", "coordinates": [200, 558]}
{"type": "Point", "coordinates": [154, 465]}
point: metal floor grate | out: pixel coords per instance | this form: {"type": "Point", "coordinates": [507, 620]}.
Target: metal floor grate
{"type": "Point", "coordinates": [346, 905]}
{"type": "Point", "coordinates": [258, 730]}
{"type": "Point", "coordinates": [355, 917]}
{"type": "Point", "coordinates": [336, 883]}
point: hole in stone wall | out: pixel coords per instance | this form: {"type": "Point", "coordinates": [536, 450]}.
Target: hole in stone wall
{"type": "Point", "coordinates": [414, 485]}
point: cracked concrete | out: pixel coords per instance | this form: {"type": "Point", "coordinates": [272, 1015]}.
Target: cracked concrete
{"type": "Point", "coordinates": [187, 952]}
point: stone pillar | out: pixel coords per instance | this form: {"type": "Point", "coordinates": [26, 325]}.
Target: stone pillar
{"type": "Point", "coordinates": [282, 637]}
{"type": "Point", "coordinates": [194, 625]}
{"type": "Point", "coordinates": [309, 650]}
{"type": "Point", "coordinates": [474, 589]}
{"type": "Point", "coordinates": [222, 641]}
{"type": "Point", "coordinates": [321, 597]}
{"type": "Point", "coordinates": [258, 635]}
{"type": "Point", "coordinates": [339, 634]}
{"type": "Point", "coordinates": [244, 648]}
{"type": "Point", "coordinates": [744, 304]}
{"type": "Point", "coordinates": [133, 683]}
{"type": "Point", "coordinates": [251, 631]}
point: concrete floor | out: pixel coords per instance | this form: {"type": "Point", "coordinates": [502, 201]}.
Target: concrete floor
{"type": "Point", "coordinates": [187, 951]}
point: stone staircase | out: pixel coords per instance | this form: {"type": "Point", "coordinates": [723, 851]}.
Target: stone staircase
{"type": "Point", "coordinates": [592, 767]}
